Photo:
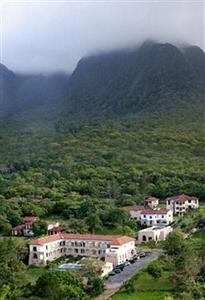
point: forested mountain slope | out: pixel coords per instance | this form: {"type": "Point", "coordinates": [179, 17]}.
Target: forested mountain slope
{"type": "Point", "coordinates": [154, 77]}
{"type": "Point", "coordinates": [25, 96]}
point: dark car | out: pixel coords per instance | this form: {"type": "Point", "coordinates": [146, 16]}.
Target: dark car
{"type": "Point", "coordinates": [121, 266]}
{"type": "Point", "coordinates": [112, 273]}
{"type": "Point", "coordinates": [117, 271]}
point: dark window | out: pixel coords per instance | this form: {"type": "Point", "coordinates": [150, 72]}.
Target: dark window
{"type": "Point", "coordinates": [144, 238]}
{"type": "Point", "coordinates": [35, 256]}
{"type": "Point", "coordinates": [34, 249]}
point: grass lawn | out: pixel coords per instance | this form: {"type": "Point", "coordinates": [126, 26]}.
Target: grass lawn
{"type": "Point", "coordinates": [148, 288]}
{"type": "Point", "coordinates": [156, 295]}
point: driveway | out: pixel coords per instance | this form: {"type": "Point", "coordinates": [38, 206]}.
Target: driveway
{"type": "Point", "coordinates": [117, 280]}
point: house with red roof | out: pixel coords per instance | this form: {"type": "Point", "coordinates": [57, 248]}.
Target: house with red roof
{"type": "Point", "coordinates": [25, 229]}
{"type": "Point", "coordinates": [181, 203]}
{"type": "Point", "coordinates": [150, 217]}
{"type": "Point", "coordinates": [115, 249]}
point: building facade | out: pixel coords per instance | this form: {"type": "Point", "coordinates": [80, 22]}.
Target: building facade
{"type": "Point", "coordinates": [151, 217]}
{"type": "Point", "coordinates": [154, 233]}
{"type": "Point", "coordinates": [135, 211]}
{"type": "Point", "coordinates": [181, 203]}
{"type": "Point", "coordinates": [151, 202]}
{"type": "Point", "coordinates": [115, 249]}
{"type": "Point", "coordinates": [160, 217]}
{"type": "Point", "coordinates": [26, 230]}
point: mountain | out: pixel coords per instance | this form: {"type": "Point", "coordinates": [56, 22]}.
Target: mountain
{"type": "Point", "coordinates": [24, 93]}
{"type": "Point", "coordinates": [7, 90]}
{"type": "Point", "coordinates": [152, 77]}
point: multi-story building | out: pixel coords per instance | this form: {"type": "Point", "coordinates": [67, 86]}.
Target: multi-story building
{"type": "Point", "coordinates": [160, 217]}
{"type": "Point", "coordinates": [181, 203]}
{"type": "Point", "coordinates": [135, 211]}
{"type": "Point", "coordinates": [115, 249]}
{"type": "Point", "coordinates": [154, 233]}
{"type": "Point", "coordinates": [150, 217]}
{"type": "Point", "coordinates": [151, 202]}
{"type": "Point", "coordinates": [25, 229]}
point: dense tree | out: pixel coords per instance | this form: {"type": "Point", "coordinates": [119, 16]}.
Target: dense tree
{"type": "Point", "coordinates": [40, 228]}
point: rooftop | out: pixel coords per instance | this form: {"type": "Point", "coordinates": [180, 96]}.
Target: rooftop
{"type": "Point", "coordinates": [155, 228]}
{"type": "Point", "coordinates": [135, 207]}
{"type": "Point", "coordinates": [182, 198]}
{"type": "Point", "coordinates": [30, 219]}
{"type": "Point", "coordinates": [114, 240]}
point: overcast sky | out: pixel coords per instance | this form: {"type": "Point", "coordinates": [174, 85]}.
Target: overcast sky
{"type": "Point", "coordinates": [45, 36]}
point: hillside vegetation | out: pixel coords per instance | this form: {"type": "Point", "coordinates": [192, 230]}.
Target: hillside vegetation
{"type": "Point", "coordinates": [110, 164]}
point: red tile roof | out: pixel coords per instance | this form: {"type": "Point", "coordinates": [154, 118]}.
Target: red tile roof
{"type": "Point", "coordinates": [135, 208]}
{"type": "Point", "coordinates": [55, 228]}
{"type": "Point", "coordinates": [155, 212]}
{"type": "Point", "coordinates": [114, 240]}
{"type": "Point", "coordinates": [181, 198]}
{"type": "Point", "coordinates": [30, 219]}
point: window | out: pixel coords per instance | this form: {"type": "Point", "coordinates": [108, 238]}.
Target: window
{"type": "Point", "coordinates": [150, 217]}
{"type": "Point", "coordinates": [46, 254]}
{"type": "Point", "coordinates": [35, 256]}
{"type": "Point", "coordinates": [144, 238]}
{"type": "Point", "coordinates": [76, 250]}
{"type": "Point", "coordinates": [82, 251]}
{"type": "Point", "coordinates": [46, 247]}
{"type": "Point", "coordinates": [34, 248]}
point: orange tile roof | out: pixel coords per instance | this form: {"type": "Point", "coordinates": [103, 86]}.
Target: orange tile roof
{"type": "Point", "coordinates": [114, 240]}
{"type": "Point", "coordinates": [135, 207]}
{"type": "Point", "coordinates": [182, 198]}
{"type": "Point", "coordinates": [30, 219]}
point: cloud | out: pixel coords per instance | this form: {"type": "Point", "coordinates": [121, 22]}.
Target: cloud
{"type": "Point", "coordinates": [53, 35]}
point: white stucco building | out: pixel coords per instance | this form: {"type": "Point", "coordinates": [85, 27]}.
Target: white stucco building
{"type": "Point", "coordinates": [150, 217]}
{"type": "Point", "coordinates": [154, 233]}
{"type": "Point", "coordinates": [158, 217]}
{"type": "Point", "coordinates": [181, 203]}
{"type": "Point", "coordinates": [135, 211]}
{"type": "Point", "coordinates": [115, 249]}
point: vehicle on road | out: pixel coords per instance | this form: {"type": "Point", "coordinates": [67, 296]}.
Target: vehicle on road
{"type": "Point", "coordinates": [112, 273]}
{"type": "Point", "coordinates": [126, 263]}
{"type": "Point", "coordinates": [117, 271]}
{"type": "Point", "coordinates": [142, 254]}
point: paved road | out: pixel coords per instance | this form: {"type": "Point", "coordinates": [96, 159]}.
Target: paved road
{"type": "Point", "coordinates": [118, 279]}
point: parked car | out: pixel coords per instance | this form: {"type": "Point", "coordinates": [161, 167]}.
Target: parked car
{"type": "Point", "coordinates": [136, 256]}
{"type": "Point", "coordinates": [112, 273]}
{"type": "Point", "coordinates": [121, 266]}
{"type": "Point", "coordinates": [126, 263]}
{"type": "Point", "coordinates": [117, 271]}
{"type": "Point", "coordinates": [142, 254]}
